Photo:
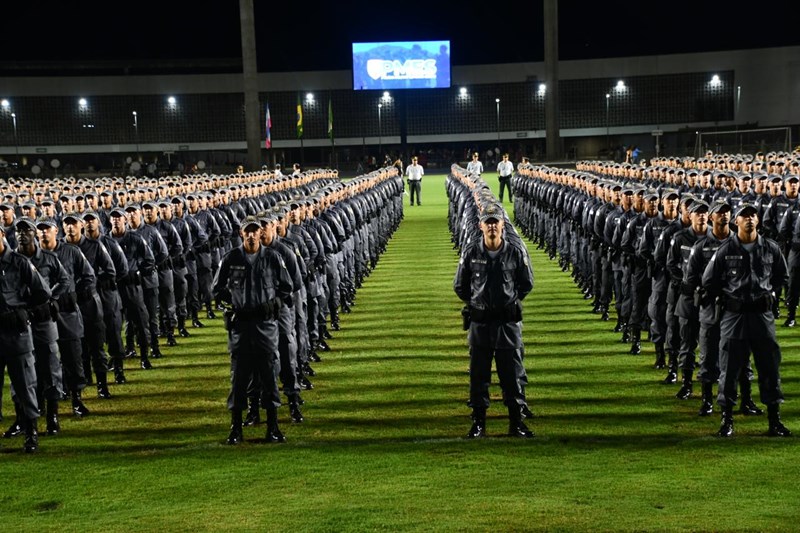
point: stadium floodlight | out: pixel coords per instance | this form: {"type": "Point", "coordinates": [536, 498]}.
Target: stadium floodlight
{"type": "Point", "coordinates": [715, 81]}
{"type": "Point", "coordinates": [82, 102]}
{"type": "Point", "coordinates": [386, 96]}
{"type": "Point", "coordinates": [463, 92]}
{"type": "Point", "coordinates": [542, 89]}
{"type": "Point", "coordinates": [5, 103]}
{"type": "Point", "coordinates": [172, 101]}
{"type": "Point", "coordinates": [310, 98]}
{"type": "Point", "coordinates": [620, 86]}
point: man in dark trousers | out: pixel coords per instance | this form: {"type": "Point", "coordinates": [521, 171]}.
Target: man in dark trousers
{"type": "Point", "coordinates": [22, 288]}
{"type": "Point", "coordinates": [254, 282]}
{"type": "Point", "coordinates": [492, 278]}
{"type": "Point", "coordinates": [744, 274]}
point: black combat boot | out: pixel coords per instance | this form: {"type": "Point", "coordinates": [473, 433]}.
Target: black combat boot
{"type": "Point", "coordinates": [53, 426]}
{"type": "Point", "coordinates": [196, 321]}
{"type": "Point", "coordinates": [526, 411]}
{"type": "Point", "coordinates": [516, 427]}
{"type": "Point", "coordinates": [619, 325]}
{"type": "Point", "coordinates": [672, 372]}
{"type": "Point", "coordinates": [171, 338]}
{"type": "Point", "coordinates": [32, 436]}
{"type": "Point", "coordinates": [335, 320]}
{"type": "Point", "coordinates": [274, 434]}
{"type": "Point", "coordinates": [776, 427]}
{"type": "Point", "coordinates": [726, 426]}
{"type": "Point", "coordinates": [636, 340]}
{"type": "Point", "coordinates": [790, 318]}
{"type": "Point", "coordinates": [626, 333]}
{"type": "Point", "coordinates": [314, 356]}
{"type": "Point", "coordinates": [253, 413]}
{"type": "Point", "coordinates": [145, 362]}
{"type": "Point", "coordinates": [15, 428]}
{"type": "Point", "coordinates": [308, 371]}
{"type": "Point", "coordinates": [748, 406]}
{"type": "Point", "coordinates": [661, 357]}
{"type": "Point", "coordinates": [478, 429]}
{"type": "Point", "coordinates": [707, 405]}
{"type": "Point", "coordinates": [305, 384]}
{"type": "Point", "coordinates": [182, 331]}
{"type": "Point", "coordinates": [235, 436]}
{"type": "Point", "coordinates": [324, 333]}
{"type": "Point", "coordinates": [78, 408]}
{"type": "Point", "coordinates": [685, 391]}
{"type": "Point", "coordinates": [119, 372]}
{"type": "Point", "coordinates": [102, 386]}
{"type": "Point", "coordinates": [604, 317]}
{"type": "Point", "coordinates": [323, 346]}
{"type": "Point", "coordinates": [155, 352]}
{"type": "Point", "coordinates": [210, 312]}
{"type": "Point", "coordinates": [294, 412]}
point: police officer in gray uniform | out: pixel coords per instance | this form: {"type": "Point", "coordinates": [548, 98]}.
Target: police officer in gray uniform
{"type": "Point", "coordinates": [492, 278]}
{"type": "Point", "coordinates": [255, 282]}
{"type": "Point", "coordinates": [21, 287]}
{"type": "Point", "coordinates": [744, 274]}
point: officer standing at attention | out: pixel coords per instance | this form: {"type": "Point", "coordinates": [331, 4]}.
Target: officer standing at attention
{"type": "Point", "coordinates": [505, 170]}
{"type": "Point", "coordinates": [255, 282]}
{"type": "Point", "coordinates": [21, 287]}
{"type": "Point", "coordinates": [475, 166]}
{"type": "Point", "coordinates": [414, 171]}
{"type": "Point", "coordinates": [492, 278]}
{"type": "Point", "coordinates": [744, 274]}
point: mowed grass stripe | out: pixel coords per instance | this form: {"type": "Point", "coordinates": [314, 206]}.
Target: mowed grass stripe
{"type": "Point", "coordinates": [382, 447]}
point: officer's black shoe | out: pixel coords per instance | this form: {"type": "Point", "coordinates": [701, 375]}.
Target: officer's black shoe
{"type": "Point", "coordinates": [294, 412]}
{"type": "Point", "coordinates": [636, 347]}
{"type": "Point", "coordinates": [707, 405]}
{"type": "Point", "coordinates": [182, 328]}
{"type": "Point", "coordinates": [119, 376]}
{"type": "Point", "coordinates": [156, 353]}
{"type": "Point", "coordinates": [726, 426]}
{"type": "Point", "coordinates": [672, 377]}
{"type": "Point", "coordinates": [210, 315]}
{"type": "Point", "coordinates": [197, 324]}
{"type": "Point", "coordinates": [626, 334]}
{"type": "Point", "coordinates": [596, 307]}
{"type": "Point", "coordinates": [274, 434]}
{"type": "Point", "coordinates": [78, 408]}
{"type": "Point", "coordinates": [145, 363]}
{"type": "Point", "coordinates": [16, 427]}
{"type": "Point", "coordinates": [526, 412]}
{"type": "Point", "coordinates": [305, 384]}
{"type": "Point", "coordinates": [253, 413]}
{"type": "Point", "coordinates": [478, 429]}
{"type": "Point", "coordinates": [236, 435]}
{"type": "Point", "coordinates": [749, 408]}
{"type": "Point", "coordinates": [685, 391]}
{"type": "Point", "coordinates": [519, 429]}
{"type": "Point", "coordinates": [102, 389]}
{"type": "Point", "coordinates": [314, 356]}
{"type": "Point", "coordinates": [32, 436]}
{"type": "Point", "coordinates": [326, 334]}
{"type": "Point", "coordinates": [130, 353]}
{"type": "Point", "coordinates": [307, 370]}
{"type": "Point", "coordinates": [171, 339]}
{"type": "Point", "coordinates": [53, 426]}
{"type": "Point", "coordinates": [661, 357]}
{"type": "Point", "coordinates": [790, 318]}
{"type": "Point", "coordinates": [604, 317]}
{"type": "Point", "coordinates": [323, 345]}
{"type": "Point", "coordinates": [776, 427]}
{"type": "Point", "coordinates": [335, 325]}
{"type": "Point", "coordinates": [619, 325]}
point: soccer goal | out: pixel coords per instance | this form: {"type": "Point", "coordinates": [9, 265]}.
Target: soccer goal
{"type": "Point", "coordinates": [744, 141]}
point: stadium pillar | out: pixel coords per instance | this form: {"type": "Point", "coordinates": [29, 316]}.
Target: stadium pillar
{"type": "Point", "coordinates": [551, 72]}
{"type": "Point", "coordinates": [252, 115]}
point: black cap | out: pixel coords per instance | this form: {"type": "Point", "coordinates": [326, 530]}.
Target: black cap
{"type": "Point", "coordinates": [46, 222]}
{"type": "Point", "coordinates": [251, 221]}
{"type": "Point", "coordinates": [745, 209]}
{"type": "Point", "coordinates": [90, 214]}
{"type": "Point", "coordinates": [72, 216]}
{"type": "Point", "coordinates": [117, 212]}
{"type": "Point", "coordinates": [719, 206]}
{"type": "Point", "coordinates": [24, 223]}
{"type": "Point", "coordinates": [492, 211]}
{"type": "Point", "coordinates": [698, 206]}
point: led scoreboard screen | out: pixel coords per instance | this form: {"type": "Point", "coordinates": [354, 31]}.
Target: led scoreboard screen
{"type": "Point", "coordinates": [401, 65]}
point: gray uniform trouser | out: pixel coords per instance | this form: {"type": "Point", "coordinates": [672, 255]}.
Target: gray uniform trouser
{"type": "Point", "coordinates": [247, 359]}
{"type": "Point", "coordinates": [734, 355]}
{"type": "Point", "coordinates": [22, 373]}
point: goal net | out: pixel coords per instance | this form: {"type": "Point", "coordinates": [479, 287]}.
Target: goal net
{"type": "Point", "coordinates": [744, 141]}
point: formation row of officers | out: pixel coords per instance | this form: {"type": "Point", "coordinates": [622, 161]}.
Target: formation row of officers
{"type": "Point", "coordinates": [695, 264]}
{"type": "Point", "coordinates": [76, 268]}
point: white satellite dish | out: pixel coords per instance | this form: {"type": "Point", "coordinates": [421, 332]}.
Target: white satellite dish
{"type": "Point", "coordinates": [135, 166]}
{"type": "Point", "coordinates": [201, 164]}
{"type": "Point", "coordinates": [55, 163]}
{"type": "Point", "coordinates": [36, 169]}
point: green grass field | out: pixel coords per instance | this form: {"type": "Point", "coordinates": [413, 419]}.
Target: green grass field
{"type": "Point", "coordinates": [382, 446]}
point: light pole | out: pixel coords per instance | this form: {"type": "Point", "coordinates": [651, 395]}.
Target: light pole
{"type": "Point", "coordinates": [608, 142]}
{"type": "Point", "coordinates": [497, 101]}
{"type": "Point", "coordinates": [380, 132]}
{"type": "Point", "coordinates": [136, 132]}
{"type": "Point", "coordinates": [16, 140]}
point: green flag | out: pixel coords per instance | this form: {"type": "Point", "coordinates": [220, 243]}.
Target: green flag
{"type": "Point", "coordinates": [299, 117]}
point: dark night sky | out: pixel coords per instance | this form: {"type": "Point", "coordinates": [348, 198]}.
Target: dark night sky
{"type": "Point", "coordinates": [296, 36]}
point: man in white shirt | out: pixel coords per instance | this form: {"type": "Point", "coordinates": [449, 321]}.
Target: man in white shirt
{"type": "Point", "coordinates": [415, 172]}
{"type": "Point", "coordinates": [505, 169]}
{"type": "Point", "coordinates": [475, 166]}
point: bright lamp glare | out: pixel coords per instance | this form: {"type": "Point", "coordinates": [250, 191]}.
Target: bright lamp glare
{"type": "Point", "coordinates": [171, 100]}
{"type": "Point", "coordinates": [82, 102]}
{"type": "Point", "coordinates": [310, 97]}
{"type": "Point", "coordinates": [5, 103]}
{"type": "Point", "coordinates": [463, 91]}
